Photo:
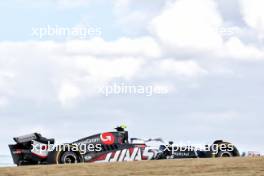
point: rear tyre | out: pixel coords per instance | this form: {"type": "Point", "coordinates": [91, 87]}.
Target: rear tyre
{"type": "Point", "coordinates": [69, 157]}
{"type": "Point", "coordinates": [224, 154]}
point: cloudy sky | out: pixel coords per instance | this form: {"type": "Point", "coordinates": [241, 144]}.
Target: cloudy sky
{"type": "Point", "coordinates": [207, 54]}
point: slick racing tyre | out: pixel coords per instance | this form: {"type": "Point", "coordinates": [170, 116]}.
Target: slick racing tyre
{"type": "Point", "coordinates": [224, 154]}
{"type": "Point", "coordinates": [69, 157]}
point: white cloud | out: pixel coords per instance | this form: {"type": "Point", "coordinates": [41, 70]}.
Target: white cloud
{"type": "Point", "coordinates": [68, 92]}
{"type": "Point", "coordinates": [194, 27]}
{"type": "Point", "coordinates": [72, 69]}
{"type": "Point", "coordinates": [238, 50]}
{"type": "Point", "coordinates": [7, 78]}
{"type": "Point", "coordinates": [3, 102]}
{"type": "Point", "coordinates": [143, 47]}
{"type": "Point", "coordinates": [107, 69]}
{"type": "Point", "coordinates": [132, 17]}
{"type": "Point", "coordinates": [253, 14]}
{"type": "Point", "coordinates": [181, 68]}
{"type": "Point", "coordinates": [189, 24]}
{"type": "Point", "coordinates": [76, 69]}
{"type": "Point", "coordinates": [122, 5]}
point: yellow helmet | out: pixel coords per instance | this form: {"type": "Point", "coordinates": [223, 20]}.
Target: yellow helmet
{"type": "Point", "coordinates": [123, 126]}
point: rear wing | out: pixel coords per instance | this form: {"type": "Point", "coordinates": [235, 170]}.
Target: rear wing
{"type": "Point", "coordinates": [27, 138]}
{"type": "Point", "coordinates": [33, 137]}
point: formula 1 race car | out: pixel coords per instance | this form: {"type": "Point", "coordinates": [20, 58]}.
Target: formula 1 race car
{"type": "Point", "coordinates": [108, 147]}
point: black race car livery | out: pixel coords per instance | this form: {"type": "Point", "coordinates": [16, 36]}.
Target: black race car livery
{"type": "Point", "coordinates": [107, 147]}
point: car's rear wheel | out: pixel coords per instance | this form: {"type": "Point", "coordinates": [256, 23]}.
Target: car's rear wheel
{"type": "Point", "coordinates": [224, 154]}
{"type": "Point", "coordinates": [69, 157]}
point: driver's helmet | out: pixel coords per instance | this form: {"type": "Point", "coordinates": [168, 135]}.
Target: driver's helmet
{"type": "Point", "coordinates": [121, 128]}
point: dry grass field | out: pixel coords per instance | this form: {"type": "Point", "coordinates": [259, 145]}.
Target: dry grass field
{"type": "Point", "coordinates": [195, 167]}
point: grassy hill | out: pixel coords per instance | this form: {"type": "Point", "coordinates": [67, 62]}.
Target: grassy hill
{"type": "Point", "coordinates": [196, 167]}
